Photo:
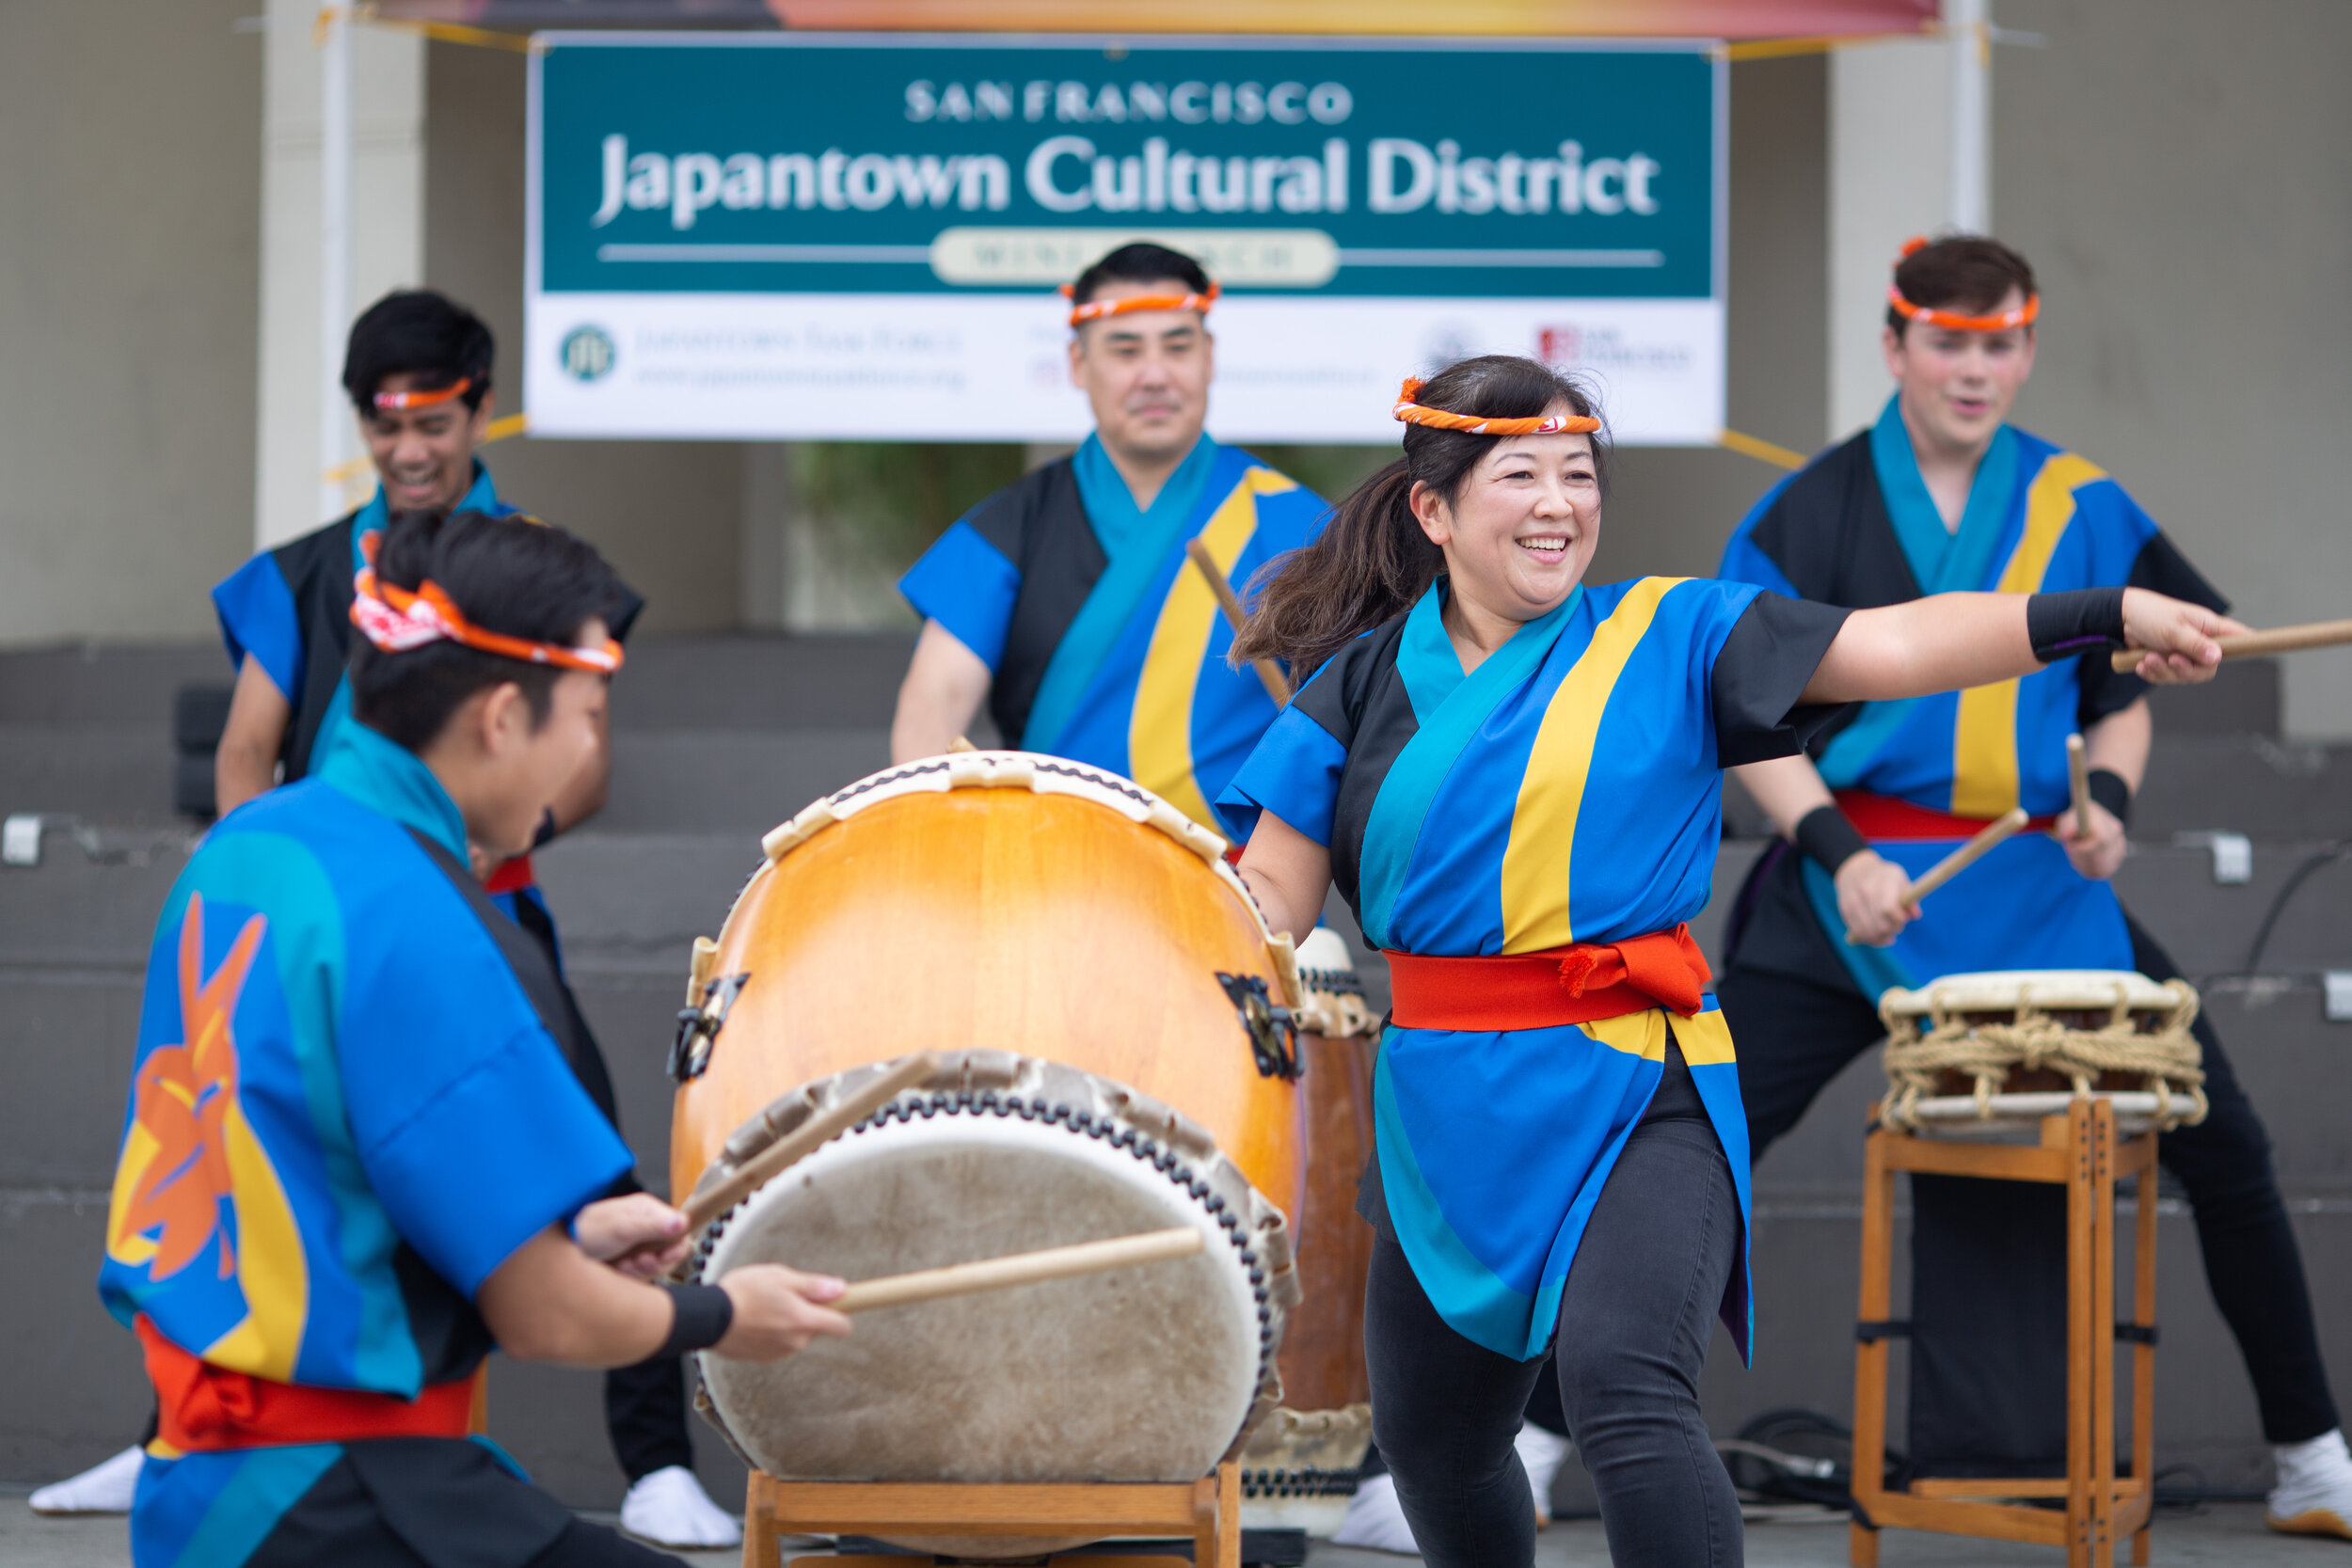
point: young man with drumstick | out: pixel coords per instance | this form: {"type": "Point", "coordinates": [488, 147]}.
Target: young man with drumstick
{"type": "Point", "coordinates": [355, 1160]}
{"type": "Point", "coordinates": [417, 367]}
{"type": "Point", "coordinates": [1515, 779]}
{"type": "Point", "coordinates": [1942, 494]}
{"type": "Point", "coordinates": [1066, 601]}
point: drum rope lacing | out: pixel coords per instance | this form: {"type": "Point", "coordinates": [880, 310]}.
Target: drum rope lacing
{"type": "Point", "coordinates": [1986, 1050]}
{"type": "Point", "coordinates": [1144, 1148]}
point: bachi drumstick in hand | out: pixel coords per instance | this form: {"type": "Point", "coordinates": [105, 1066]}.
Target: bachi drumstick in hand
{"type": "Point", "coordinates": [1966, 856]}
{"type": "Point", "coordinates": [2278, 639]}
{"type": "Point", "coordinates": [1019, 1268]}
{"type": "Point", "coordinates": [2078, 780]}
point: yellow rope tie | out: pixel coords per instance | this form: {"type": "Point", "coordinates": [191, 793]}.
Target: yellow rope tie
{"type": "Point", "coordinates": [2034, 1041]}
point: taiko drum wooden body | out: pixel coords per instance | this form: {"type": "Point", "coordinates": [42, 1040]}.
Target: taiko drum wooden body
{"type": "Point", "coordinates": [1038, 907]}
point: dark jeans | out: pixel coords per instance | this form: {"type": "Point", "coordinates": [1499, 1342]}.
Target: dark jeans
{"type": "Point", "coordinates": [644, 1412]}
{"type": "Point", "coordinates": [1794, 1036]}
{"type": "Point", "coordinates": [1635, 1318]}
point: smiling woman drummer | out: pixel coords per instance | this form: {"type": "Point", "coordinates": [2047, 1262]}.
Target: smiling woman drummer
{"type": "Point", "coordinates": [1515, 778]}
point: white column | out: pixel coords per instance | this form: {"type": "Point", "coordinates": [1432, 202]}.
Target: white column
{"type": "Point", "coordinates": [1891, 166]}
{"type": "Point", "coordinates": [1968, 28]}
{"type": "Point", "coordinates": [334, 53]}
{"type": "Point", "coordinates": [387, 249]}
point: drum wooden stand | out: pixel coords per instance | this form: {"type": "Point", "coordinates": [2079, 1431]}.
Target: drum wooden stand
{"type": "Point", "coordinates": [1207, 1510]}
{"type": "Point", "coordinates": [2079, 1151]}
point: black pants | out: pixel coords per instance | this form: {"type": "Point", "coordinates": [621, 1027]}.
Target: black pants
{"type": "Point", "coordinates": [435, 1502]}
{"type": "Point", "coordinates": [1794, 1036]}
{"type": "Point", "coordinates": [644, 1412]}
{"type": "Point", "coordinates": [1635, 1318]}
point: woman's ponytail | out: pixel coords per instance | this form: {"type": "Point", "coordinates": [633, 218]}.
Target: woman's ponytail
{"type": "Point", "coordinates": [1370, 560]}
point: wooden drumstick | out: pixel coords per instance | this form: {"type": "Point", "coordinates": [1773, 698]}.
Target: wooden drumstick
{"type": "Point", "coordinates": [795, 1146]}
{"type": "Point", "coordinates": [1966, 856]}
{"type": "Point", "coordinates": [2079, 776]}
{"type": "Point", "coordinates": [2278, 639]}
{"type": "Point", "coordinates": [1019, 1268]}
{"type": "Point", "coordinates": [803, 1140]}
{"type": "Point", "coordinates": [1278, 686]}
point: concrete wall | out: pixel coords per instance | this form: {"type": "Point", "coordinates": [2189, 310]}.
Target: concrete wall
{"type": "Point", "coordinates": [668, 514]}
{"type": "Point", "coordinates": [130, 206]}
{"type": "Point", "coordinates": [2181, 175]}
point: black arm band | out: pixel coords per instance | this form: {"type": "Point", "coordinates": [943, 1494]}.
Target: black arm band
{"type": "Point", "coordinates": [2109, 788]}
{"type": "Point", "coordinates": [1826, 835]}
{"type": "Point", "coordinates": [702, 1314]}
{"type": "Point", "coordinates": [2075, 622]}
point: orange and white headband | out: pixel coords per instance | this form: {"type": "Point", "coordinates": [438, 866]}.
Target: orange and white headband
{"type": "Point", "coordinates": [396, 620]}
{"type": "Point", "coordinates": [1098, 309]}
{"type": "Point", "coordinates": [1956, 321]}
{"type": "Point", "coordinates": [1411, 412]}
{"type": "Point", "coordinates": [400, 401]}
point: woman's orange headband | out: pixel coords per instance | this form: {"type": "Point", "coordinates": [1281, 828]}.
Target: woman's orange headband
{"type": "Point", "coordinates": [1954, 320]}
{"type": "Point", "coordinates": [392, 402]}
{"type": "Point", "coordinates": [1096, 309]}
{"type": "Point", "coordinates": [1479, 424]}
{"type": "Point", "coordinates": [396, 620]}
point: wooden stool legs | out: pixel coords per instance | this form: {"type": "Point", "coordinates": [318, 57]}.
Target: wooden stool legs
{"type": "Point", "coordinates": [2079, 1151]}
{"type": "Point", "coordinates": [1208, 1511]}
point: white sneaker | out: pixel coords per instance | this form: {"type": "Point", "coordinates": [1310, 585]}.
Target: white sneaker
{"type": "Point", "coordinates": [2314, 1491]}
{"type": "Point", "coordinates": [1376, 1520]}
{"type": "Point", "coordinates": [670, 1508]}
{"type": "Point", "coordinates": [1541, 1453]}
{"type": "Point", "coordinates": [105, 1488]}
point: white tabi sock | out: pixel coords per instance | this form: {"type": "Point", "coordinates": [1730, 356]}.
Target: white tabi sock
{"type": "Point", "coordinates": [105, 1488]}
{"type": "Point", "coordinates": [670, 1508]}
{"type": "Point", "coordinates": [2314, 1491]}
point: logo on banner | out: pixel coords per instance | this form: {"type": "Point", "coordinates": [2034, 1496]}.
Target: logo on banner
{"type": "Point", "coordinates": [586, 354]}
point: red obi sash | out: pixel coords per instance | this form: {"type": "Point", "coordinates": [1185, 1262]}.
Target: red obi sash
{"type": "Point", "coordinates": [1580, 983]}
{"type": "Point", "coordinates": [1884, 816]}
{"type": "Point", "coordinates": [203, 1408]}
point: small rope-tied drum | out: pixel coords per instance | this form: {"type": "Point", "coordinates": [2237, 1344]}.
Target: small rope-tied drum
{"type": "Point", "coordinates": [1113, 1024]}
{"type": "Point", "coordinates": [1974, 1054]}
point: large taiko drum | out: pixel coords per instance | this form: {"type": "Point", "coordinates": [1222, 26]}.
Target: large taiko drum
{"type": "Point", "coordinates": [1106, 1009]}
{"type": "Point", "coordinates": [1301, 1465]}
{"type": "Point", "coordinates": [1989, 1054]}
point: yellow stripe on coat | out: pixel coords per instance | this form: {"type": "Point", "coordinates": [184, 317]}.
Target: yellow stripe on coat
{"type": "Point", "coordinates": [1706, 1038]}
{"type": "Point", "coordinates": [1537, 860]}
{"type": "Point", "coordinates": [1159, 731]}
{"type": "Point", "coordinates": [1984, 739]}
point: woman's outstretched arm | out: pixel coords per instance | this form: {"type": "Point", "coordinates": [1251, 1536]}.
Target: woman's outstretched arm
{"type": "Point", "coordinates": [1288, 874]}
{"type": "Point", "coordinates": [1950, 641]}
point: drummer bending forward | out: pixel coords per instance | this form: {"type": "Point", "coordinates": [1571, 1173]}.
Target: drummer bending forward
{"type": "Point", "coordinates": [1942, 493]}
{"type": "Point", "coordinates": [1066, 601]}
{"type": "Point", "coordinates": [1515, 779]}
{"type": "Point", "coordinates": [355, 1160]}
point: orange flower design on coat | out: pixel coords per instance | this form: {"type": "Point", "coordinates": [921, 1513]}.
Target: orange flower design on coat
{"type": "Point", "coordinates": [184, 1094]}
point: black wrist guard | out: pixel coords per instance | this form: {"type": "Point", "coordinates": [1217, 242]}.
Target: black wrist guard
{"type": "Point", "coordinates": [2075, 622]}
{"type": "Point", "coordinates": [1826, 835]}
{"type": "Point", "coordinates": [2109, 788]}
{"type": "Point", "coordinates": [702, 1314]}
